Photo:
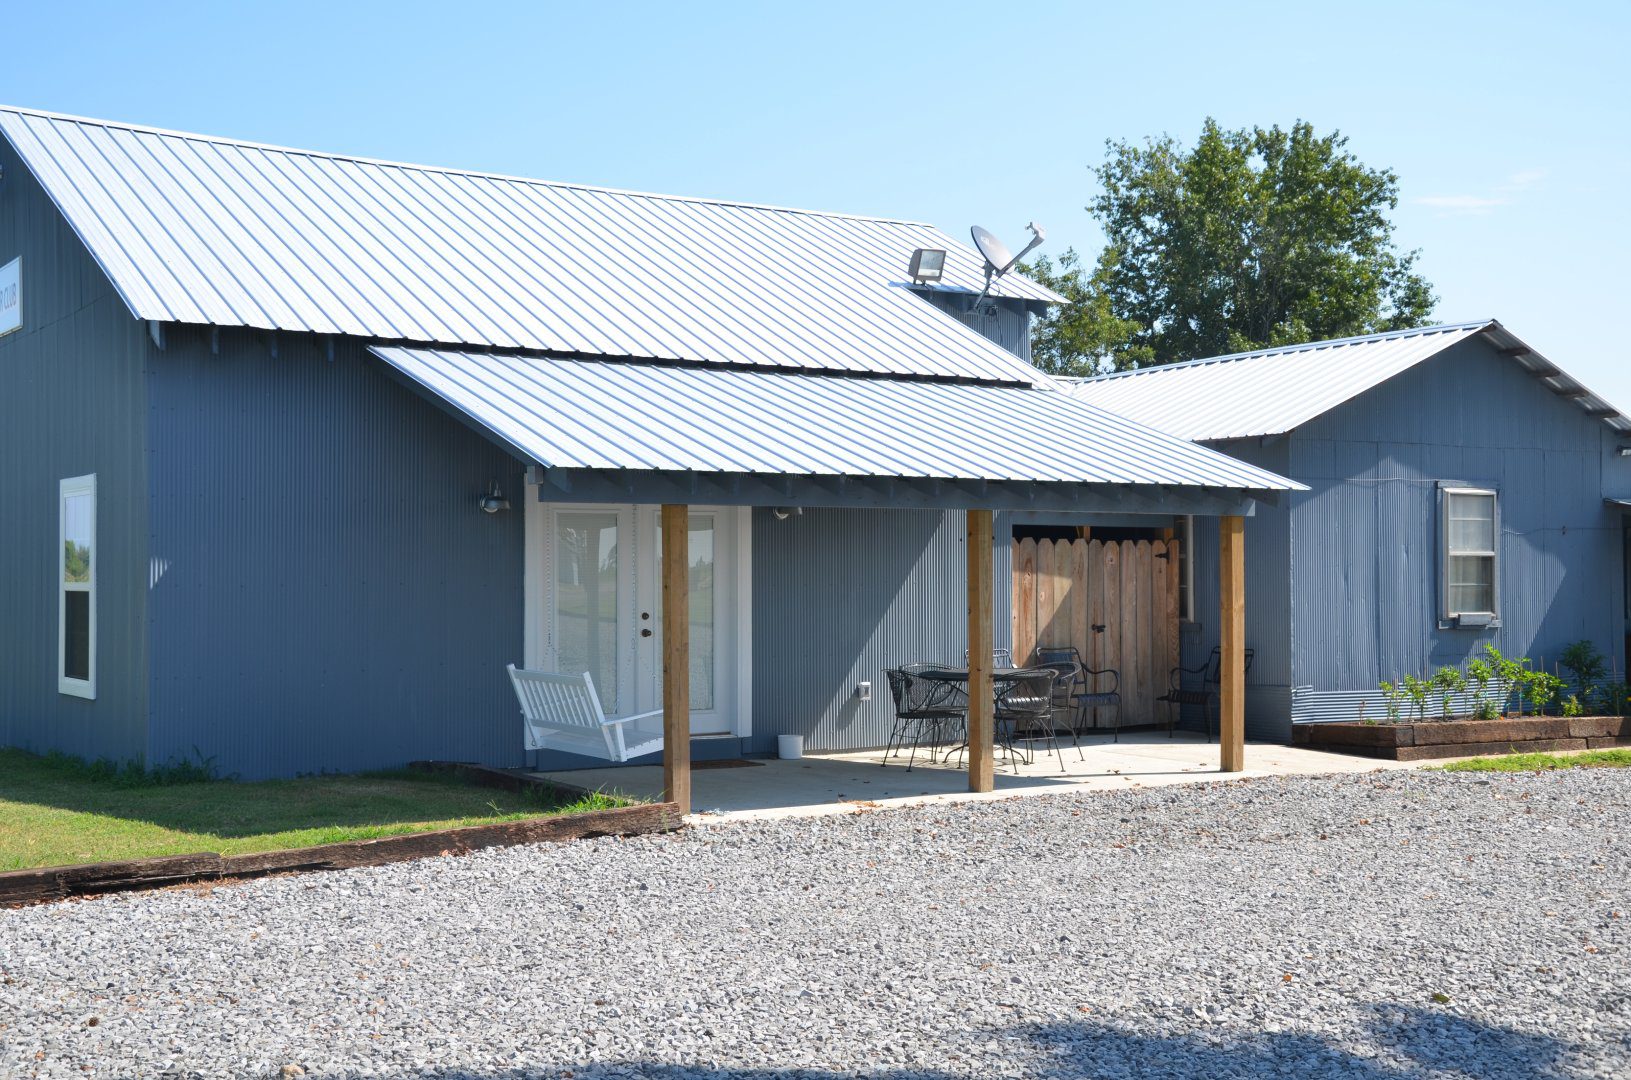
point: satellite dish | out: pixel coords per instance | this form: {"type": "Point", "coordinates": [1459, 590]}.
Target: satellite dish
{"type": "Point", "coordinates": [997, 256]}
{"type": "Point", "coordinates": [998, 260]}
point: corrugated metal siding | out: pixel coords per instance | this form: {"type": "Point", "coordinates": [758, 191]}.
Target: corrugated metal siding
{"type": "Point", "coordinates": [1268, 601]}
{"type": "Point", "coordinates": [1365, 539]}
{"type": "Point", "coordinates": [839, 596]}
{"type": "Point", "coordinates": [326, 596]}
{"type": "Point", "coordinates": [1272, 391]}
{"type": "Point", "coordinates": [209, 231]}
{"type": "Point", "coordinates": [1003, 320]}
{"type": "Point", "coordinates": [72, 402]}
{"type": "Point", "coordinates": [596, 415]}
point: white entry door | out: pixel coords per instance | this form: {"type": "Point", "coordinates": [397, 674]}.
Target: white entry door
{"type": "Point", "coordinates": [594, 604]}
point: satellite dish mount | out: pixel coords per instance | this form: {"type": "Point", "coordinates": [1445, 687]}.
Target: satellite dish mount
{"type": "Point", "coordinates": [998, 261]}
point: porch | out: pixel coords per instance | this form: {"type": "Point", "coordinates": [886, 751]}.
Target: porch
{"type": "Point", "coordinates": [688, 450]}
{"type": "Point", "coordinates": [852, 782]}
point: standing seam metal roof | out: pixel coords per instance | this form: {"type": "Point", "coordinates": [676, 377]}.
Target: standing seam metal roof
{"type": "Point", "coordinates": [1272, 391]}
{"type": "Point", "coordinates": [564, 413]}
{"type": "Point", "coordinates": [200, 230]}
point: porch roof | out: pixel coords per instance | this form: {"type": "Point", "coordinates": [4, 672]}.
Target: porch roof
{"type": "Point", "coordinates": [582, 420]}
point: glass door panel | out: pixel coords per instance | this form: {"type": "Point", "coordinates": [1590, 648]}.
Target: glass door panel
{"type": "Point", "coordinates": [588, 599]}
{"type": "Point", "coordinates": [701, 544]}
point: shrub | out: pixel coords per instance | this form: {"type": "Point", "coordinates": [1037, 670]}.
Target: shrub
{"type": "Point", "coordinates": [1543, 689]}
{"type": "Point", "coordinates": [1587, 665]}
{"type": "Point", "coordinates": [1572, 706]}
{"type": "Point", "coordinates": [1391, 693]}
{"type": "Point", "coordinates": [1485, 710]}
{"type": "Point", "coordinates": [1480, 672]}
{"type": "Point", "coordinates": [1448, 681]}
{"type": "Point", "coordinates": [1417, 689]}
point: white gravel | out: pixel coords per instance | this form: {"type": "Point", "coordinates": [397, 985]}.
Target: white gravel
{"type": "Point", "coordinates": [1375, 926]}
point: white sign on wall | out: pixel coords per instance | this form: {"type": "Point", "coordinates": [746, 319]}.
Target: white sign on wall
{"type": "Point", "coordinates": [11, 296]}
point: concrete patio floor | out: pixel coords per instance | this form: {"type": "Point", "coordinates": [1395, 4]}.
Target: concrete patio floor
{"type": "Point", "coordinates": [845, 783]}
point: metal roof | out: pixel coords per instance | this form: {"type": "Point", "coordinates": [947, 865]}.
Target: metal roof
{"type": "Point", "coordinates": [585, 414]}
{"type": "Point", "coordinates": [209, 231]}
{"type": "Point", "coordinates": [1272, 391]}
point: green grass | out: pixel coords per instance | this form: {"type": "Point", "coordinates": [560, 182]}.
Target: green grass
{"type": "Point", "coordinates": [57, 811]}
{"type": "Point", "coordinates": [1589, 759]}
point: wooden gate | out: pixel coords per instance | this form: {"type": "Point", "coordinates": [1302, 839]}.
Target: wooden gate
{"type": "Point", "coordinates": [1116, 602]}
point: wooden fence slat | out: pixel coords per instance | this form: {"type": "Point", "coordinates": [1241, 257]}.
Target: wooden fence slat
{"type": "Point", "coordinates": [1169, 640]}
{"type": "Point", "coordinates": [1131, 622]}
{"type": "Point", "coordinates": [1110, 640]}
{"type": "Point", "coordinates": [1080, 635]}
{"type": "Point", "coordinates": [1025, 586]}
{"type": "Point", "coordinates": [1092, 656]}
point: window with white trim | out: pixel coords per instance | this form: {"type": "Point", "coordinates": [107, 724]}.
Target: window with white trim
{"type": "Point", "coordinates": [1471, 536]}
{"type": "Point", "coordinates": [76, 586]}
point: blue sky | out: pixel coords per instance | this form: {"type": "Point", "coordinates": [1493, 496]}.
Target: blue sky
{"type": "Point", "coordinates": [1508, 124]}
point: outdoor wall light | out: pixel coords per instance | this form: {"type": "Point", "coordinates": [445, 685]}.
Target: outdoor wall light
{"type": "Point", "coordinates": [493, 501]}
{"type": "Point", "coordinates": [784, 512]}
{"type": "Point", "coordinates": [1623, 451]}
{"type": "Point", "coordinates": [928, 264]}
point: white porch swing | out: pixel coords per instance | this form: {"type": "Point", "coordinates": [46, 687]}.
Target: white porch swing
{"type": "Point", "coordinates": [563, 712]}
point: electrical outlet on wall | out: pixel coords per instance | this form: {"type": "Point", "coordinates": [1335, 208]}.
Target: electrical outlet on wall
{"type": "Point", "coordinates": [863, 691]}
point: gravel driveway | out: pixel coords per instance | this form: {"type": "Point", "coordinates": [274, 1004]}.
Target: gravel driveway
{"type": "Point", "coordinates": [1374, 926]}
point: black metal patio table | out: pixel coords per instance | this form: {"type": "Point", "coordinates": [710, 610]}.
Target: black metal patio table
{"type": "Point", "coordinates": [1001, 679]}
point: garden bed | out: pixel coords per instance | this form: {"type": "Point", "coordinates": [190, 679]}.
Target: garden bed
{"type": "Point", "coordinates": [1422, 740]}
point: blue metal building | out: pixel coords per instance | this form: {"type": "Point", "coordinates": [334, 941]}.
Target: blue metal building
{"type": "Point", "coordinates": [1461, 489]}
{"type": "Point", "coordinates": [299, 450]}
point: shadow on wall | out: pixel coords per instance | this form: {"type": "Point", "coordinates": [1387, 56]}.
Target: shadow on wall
{"type": "Point", "coordinates": [838, 596]}
{"type": "Point", "coordinates": [1403, 1042]}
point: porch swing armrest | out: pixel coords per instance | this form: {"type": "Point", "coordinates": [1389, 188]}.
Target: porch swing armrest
{"type": "Point", "coordinates": [636, 716]}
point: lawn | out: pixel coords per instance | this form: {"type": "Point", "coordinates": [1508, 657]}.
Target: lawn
{"type": "Point", "coordinates": [1589, 759]}
{"type": "Point", "coordinates": [57, 811]}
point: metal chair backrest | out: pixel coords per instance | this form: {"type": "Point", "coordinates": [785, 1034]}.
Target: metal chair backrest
{"type": "Point", "coordinates": [1067, 677]}
{"type": "Point", "coordinates": [1054, 654]}
{"type": "Point", "coordinates": [1214, 665]}
{"type": "Point", "coordinates": [1003, 658]}
{"type": "Point", "coordinates": [1027, 693]}
{"type": "Point", "coordinates": [917, 696]}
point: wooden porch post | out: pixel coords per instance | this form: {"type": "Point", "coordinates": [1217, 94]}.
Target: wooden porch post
{"type": "Point", "coordinates": [1232, 638]}
{"type": "Point", "coordinates": [980, 703]}
{"type": "Point", "coordinates": [676, 656]}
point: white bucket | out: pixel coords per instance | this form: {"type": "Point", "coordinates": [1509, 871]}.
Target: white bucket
{"type": "Point", "coordinates": [790, 747]}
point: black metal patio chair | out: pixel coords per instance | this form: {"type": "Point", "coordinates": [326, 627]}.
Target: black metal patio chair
{"type": "Point", "coordinates": [928, 711]}
{"type": "Point", "coordinates": [1205, 695]}
{"type": "Point", "coordinates": [1024, 710]}
{"type": "Point", "coordinates": [1095, 688]}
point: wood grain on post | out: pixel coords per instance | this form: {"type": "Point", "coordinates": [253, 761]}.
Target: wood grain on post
{"type": "Point", "coordinates": [676, 656]}
{"type": "Point", "coordinates": [1232, 620]}
{"type": "Point", "coordinates": [980, 701]}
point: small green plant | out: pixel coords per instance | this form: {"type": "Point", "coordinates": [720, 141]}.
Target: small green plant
{"type": "Point", "coordinates": [1448, 681]}
{"type": "Point", "coordinates": [1543, 688]}
{"type": "Point", "coordinates": [1587, 665]}
{"type": "Point", "coordinates": [1486, 710]}
{"type": "Point", "coordinates": [1416, 689]}
{"type": "Point", "coordinates": [1391, 694]}
{"type": "Point", "coordinates": [1572, 706]}
{"type": "Point", "coordinates": [1479, 673]}
{"type": "Point", "coordinates": [1615, 695]}
{"type": "Point", "coordinates": [1511, 673]}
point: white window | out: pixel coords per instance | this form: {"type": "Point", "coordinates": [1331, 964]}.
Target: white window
{"type": "Point", "coordinates": [1471, 533]}
{"type": "Point", "coordinates": [76, 587]}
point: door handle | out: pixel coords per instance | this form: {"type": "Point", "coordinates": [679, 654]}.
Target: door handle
{"type": "Point", "coordinates": [645, 633]}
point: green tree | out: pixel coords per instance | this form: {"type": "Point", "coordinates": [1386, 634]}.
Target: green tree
{"type": "Point", "coordinates": [1253, 238]}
